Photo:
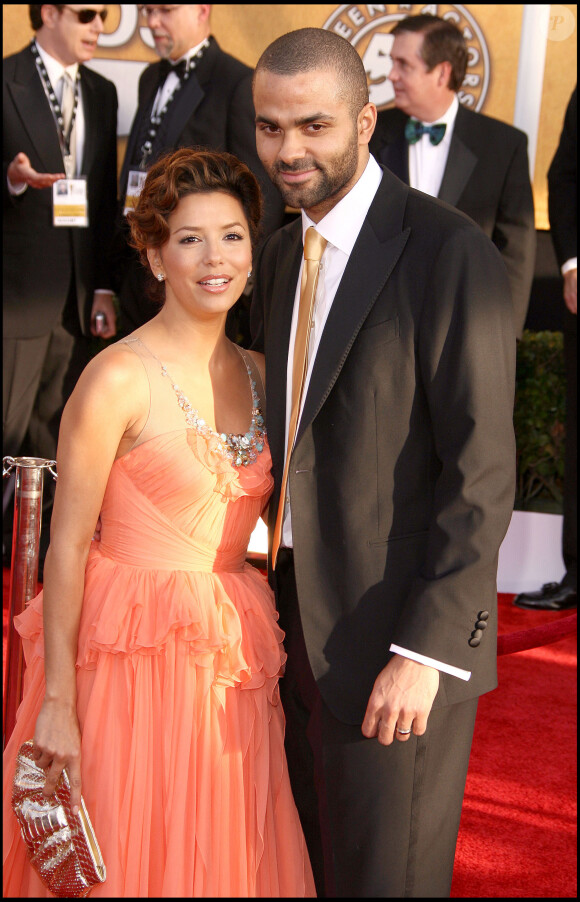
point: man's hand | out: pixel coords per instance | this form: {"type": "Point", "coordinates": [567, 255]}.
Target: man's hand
{"type": "Point", "coordinates": [402, 697]}
{"type": "Point", "coordinates": [20, 172]}
{"type": "Point", "coordinates": [103, 303]}
{"type": "Point", "coordinates": [571, 290]}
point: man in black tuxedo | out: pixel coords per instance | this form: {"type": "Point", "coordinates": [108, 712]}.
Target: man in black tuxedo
{"type": "Point", "coordinates": [56, 277]}
{"type": "Point", "coordinates": [400, 484]}
{"type": "Point", "coordinates": [196, 96]}
{"type": "Point", "coordinates": [478, 164]}
{"type": "Point", "coordinates": [563, 213]}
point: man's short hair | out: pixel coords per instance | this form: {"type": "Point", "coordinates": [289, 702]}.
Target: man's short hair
{"type": "Point", "coordinates": [309, 49]}
{"type": "Point", "coordinates": [442, 43]}
{"type": "Point", "coordinates": [35, 17]}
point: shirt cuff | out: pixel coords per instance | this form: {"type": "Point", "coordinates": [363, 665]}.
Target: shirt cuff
{"type": "Point", "coordinates": [572, 263]}
{"type": "Point", "coordinates": [108, 291]}
{"type": "Point", "coordinates": [430, 662]}
{"type": "Point", "coordinates": [17, 189]}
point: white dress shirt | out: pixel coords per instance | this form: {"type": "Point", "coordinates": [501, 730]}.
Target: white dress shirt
{"type": "Point", "coordinates": [340, 227]}
{"type": "Point", "coordinates": [572, 263]}
{"type": "Point", "coordinates": [427, 161]}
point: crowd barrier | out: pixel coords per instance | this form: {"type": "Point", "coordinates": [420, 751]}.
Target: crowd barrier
{"type": "Point", "coordinates": [24, 578]}
{"type": "Point", "coordinates": [523, 640]}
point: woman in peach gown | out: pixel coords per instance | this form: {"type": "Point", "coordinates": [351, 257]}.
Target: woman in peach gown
{"type": "Point", "coordinates": [154, 679]}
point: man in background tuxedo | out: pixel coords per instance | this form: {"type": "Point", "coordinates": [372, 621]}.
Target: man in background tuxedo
{"type": "Point", "coordinates": [390, 426]}
{"type": "Point", "coordinates": [563, 213]}
{"type": "Point", "coordinates": [196, 96]}
{"type": "Point", "coordinates": [55, 277]}
{"type": "Point", "coordinates": [471, 161]}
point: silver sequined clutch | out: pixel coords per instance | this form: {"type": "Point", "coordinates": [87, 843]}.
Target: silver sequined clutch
{"type": "Point", "coordinates": [62, 847]}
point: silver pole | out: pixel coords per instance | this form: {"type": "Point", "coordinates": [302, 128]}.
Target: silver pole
{"type": "Point", "coordinates": [23, 568]}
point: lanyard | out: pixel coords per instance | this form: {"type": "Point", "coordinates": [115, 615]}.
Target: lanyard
{"type": "Point", "coordinates": [155, 121]}
{"type": "Point", "coordinates": [55, 106]}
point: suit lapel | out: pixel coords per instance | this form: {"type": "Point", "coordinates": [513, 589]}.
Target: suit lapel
{"type": "Point", "coordinates": [378, 247]}
{"type": "Point", "coordinates": [460, 164]}
{"type": "Point", "coordinates": [395, 156]}
{"type": "Point", "coordinates": [278, 336]}
{"type": "Point", "coordinates": [147, 91]}
{"type": "Point", "coordinates": [34, 110]}
{"type": "Point", "coordinates": [193, 91]}
{"type": "Point", "coordinates": [90, 112]}
{"type": "Point", "coordinates": [182, 108]}
{"type": "Point", "coordinates": [184, 104]}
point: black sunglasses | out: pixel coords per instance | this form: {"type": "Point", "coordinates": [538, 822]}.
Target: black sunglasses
{"type": "Point", "coordinates": [87, 15]}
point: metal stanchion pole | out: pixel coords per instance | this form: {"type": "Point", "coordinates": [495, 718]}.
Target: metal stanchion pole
{"type": "Point", "coordinates": [24, 567]}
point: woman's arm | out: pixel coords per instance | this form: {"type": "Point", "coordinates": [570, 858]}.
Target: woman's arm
{"type": "Point", "coordinates": [103, 415]}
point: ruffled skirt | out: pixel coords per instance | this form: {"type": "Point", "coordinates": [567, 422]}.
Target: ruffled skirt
{"type": "Point", "coordinates": [183, 766]}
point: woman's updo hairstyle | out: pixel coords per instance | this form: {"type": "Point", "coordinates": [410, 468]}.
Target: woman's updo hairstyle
{"type": "Point", "coordinates": [179, 174]}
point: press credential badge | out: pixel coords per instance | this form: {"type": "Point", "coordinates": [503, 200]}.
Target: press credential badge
{"type": "Point", "coordinates": [70, 202]}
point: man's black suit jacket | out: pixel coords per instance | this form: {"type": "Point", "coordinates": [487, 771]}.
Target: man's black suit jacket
{"type": "Point", "coordinates": [486, 177]}
{"type": "Point", "coordinates": [403, 473]}
{"type": "Point", "coordinates": [214, 110]}
{"type": "Point", "coordinates": [38, 258]}
{"type": "Point", "coordinates": [563, 187]}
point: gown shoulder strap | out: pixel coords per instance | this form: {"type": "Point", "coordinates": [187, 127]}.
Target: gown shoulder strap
{"type": "Point", "coordinates": [257, 377]}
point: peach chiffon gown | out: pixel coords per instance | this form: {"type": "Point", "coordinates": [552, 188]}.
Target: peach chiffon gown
{"type": "Point", "coordinates": [179, 655]}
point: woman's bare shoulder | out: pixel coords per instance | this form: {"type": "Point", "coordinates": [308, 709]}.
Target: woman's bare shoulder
{"type": "Point", "coordinates": [113, 385]}
{"type": "Point", "coordinates": [116, 366]}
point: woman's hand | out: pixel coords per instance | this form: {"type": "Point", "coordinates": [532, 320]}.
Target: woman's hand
{"type": "Point", "coordinates": [57, 744]}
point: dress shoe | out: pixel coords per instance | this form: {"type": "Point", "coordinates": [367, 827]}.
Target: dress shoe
{"type": "Point", "coordinates": [551, 597]}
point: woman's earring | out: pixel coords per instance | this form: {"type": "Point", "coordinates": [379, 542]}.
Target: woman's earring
{"type": "Point", "coordinates": [249, 273]}
{"type": "Point", "coordinates": [160, 277]}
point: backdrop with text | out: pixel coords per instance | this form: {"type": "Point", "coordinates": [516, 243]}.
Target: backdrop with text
{"type": "Point", "coordinates": [522, 57]}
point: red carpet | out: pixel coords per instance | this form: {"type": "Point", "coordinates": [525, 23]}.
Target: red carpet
{"type": "Point", "coordinates": [518, 828]}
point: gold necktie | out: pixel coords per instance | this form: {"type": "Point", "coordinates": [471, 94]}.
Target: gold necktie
{"type": "Point", "coordinates": [67, 107]}
{"type": "Point", "coordinates": [314, 245]}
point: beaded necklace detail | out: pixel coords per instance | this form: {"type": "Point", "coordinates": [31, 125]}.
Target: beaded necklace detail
{"type": "Point", "coordinates": [242, 449]}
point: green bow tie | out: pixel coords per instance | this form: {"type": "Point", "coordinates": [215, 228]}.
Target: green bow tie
{"type": "Point", "coordinates": [414, 130]}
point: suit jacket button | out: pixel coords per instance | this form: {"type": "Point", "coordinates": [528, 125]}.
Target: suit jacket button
{"type": "Point", "coordinates": [477, 634]}
{"type": "Point", "coordinates": [481, 624]}
{"type": "Point", "coordinates": [483, 615]}
{"type": "Point", "coordinates": [474, 642]}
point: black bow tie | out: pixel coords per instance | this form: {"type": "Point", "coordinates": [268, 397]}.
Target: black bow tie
{"type": "Point", "coordinates": [166, 66]}
{"type": "Point", "coordinates": [414, 130]}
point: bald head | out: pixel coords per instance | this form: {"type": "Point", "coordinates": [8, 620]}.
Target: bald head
{"type": "Point", "coordinates": [314, 49]}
